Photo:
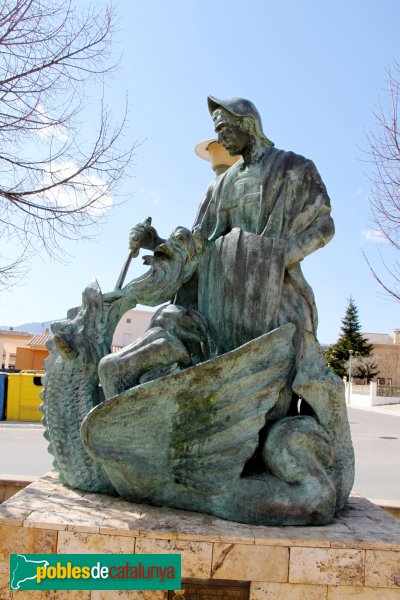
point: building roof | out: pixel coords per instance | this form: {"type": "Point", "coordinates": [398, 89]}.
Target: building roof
{"type": "Point", "coordinates": [40, 339]}
{"type": "Point", "coordinates": [378, 338]}
{"type": "Point", "coordinates": [15, 333]}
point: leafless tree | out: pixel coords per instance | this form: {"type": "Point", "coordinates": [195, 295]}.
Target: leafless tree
{"type": "Point", "coordinates": [363, 367]}
{"type": "Point", "coordinates": [54, 184]}
{"type": "Point", "coordinates": [384, 151]}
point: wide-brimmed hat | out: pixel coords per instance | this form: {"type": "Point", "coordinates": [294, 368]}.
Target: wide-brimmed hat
{"type": "Point", "coordinates": [218, 156]}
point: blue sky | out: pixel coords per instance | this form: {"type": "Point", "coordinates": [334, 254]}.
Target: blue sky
{"type": "Point", "coordinates": [316, 72]}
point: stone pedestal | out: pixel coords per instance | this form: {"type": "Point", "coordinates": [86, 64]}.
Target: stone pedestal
{"type": "Point", "coordinates": [356, 557]}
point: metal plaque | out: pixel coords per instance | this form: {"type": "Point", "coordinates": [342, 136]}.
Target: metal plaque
{"type": "Point", "coordinates": [211, 589]}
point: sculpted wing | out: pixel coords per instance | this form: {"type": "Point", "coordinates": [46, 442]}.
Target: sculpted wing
{"type": "Point", "coordinates": [197, 427]}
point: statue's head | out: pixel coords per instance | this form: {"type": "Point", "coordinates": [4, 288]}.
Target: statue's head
{"type": "Point", "coordinates": [240, 113]}
{"type": "Point", "coordinates": [173, 263]}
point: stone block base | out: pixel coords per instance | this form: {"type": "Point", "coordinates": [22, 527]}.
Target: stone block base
{"type": "Point", "coordinates": [12, 484]}
{"type": "Point", "coordinates": [356, 557]}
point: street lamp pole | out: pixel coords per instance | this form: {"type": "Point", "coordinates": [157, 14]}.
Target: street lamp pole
{"type": "Point", "coordinates": [349, 391]}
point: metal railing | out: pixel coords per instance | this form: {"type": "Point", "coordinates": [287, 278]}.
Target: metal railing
{"type": "Point", "coordinates": [388, 392]}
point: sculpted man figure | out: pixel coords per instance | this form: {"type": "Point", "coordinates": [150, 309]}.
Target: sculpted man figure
{"type": "Point", "coordinates": [225, 405]}
{"type": "Point", "coordinates": [275, 195]}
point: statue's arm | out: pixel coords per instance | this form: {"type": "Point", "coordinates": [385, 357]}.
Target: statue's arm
{"type": "Point", "coordinates": [316, 236]}
{"type": "Point", "coordinates": [312, 227]}
{"type": "Point", "coordinates": [204, 207]}
{"type": "Point", "coordinates": [212, 218]}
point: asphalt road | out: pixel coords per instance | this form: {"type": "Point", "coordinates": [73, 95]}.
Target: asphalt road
{"type": "Point", "coordinates": [23, 450]}
{"type": "Point", "coordinates": [376, 439]}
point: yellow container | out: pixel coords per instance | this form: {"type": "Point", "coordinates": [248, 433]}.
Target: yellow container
{"type": "Point", "coordinates": [23, 396]}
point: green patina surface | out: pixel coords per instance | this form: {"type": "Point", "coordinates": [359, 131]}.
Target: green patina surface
{"type": "Point", "coordinates": [225, 405]}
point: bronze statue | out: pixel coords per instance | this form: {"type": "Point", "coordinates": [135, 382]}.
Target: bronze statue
{"type": "Point", "coordinates": [225, 404]}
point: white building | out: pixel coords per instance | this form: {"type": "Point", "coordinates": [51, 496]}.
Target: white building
{"type": "Point", "coordinates": [131, 326]}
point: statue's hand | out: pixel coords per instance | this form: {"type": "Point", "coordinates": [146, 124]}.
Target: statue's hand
{"type": "Point", "coordinates": [143, 235]}
{"type": "Point", "coordinates": [110, 297]}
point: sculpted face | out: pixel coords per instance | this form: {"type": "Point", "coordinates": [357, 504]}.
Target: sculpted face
{"type": "Point", "coordinates": [229, 132]}
{"type": "Point", "coordinates": [172, 264]}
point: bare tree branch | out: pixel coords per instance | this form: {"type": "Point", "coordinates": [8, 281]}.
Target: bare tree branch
{"type": "Point", "coordinates": [394, 290]}
{"type": "Point", "coordinates": [384, 153]}
{"type": "Point", "coordinates": [53, 185]}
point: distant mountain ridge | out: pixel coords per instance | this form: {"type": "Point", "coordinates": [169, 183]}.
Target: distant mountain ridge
{"type": "Point", "coordinates": [30, 327]}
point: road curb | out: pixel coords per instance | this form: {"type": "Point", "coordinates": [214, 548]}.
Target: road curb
{"type": "Point", "coordinates": [384, 409]}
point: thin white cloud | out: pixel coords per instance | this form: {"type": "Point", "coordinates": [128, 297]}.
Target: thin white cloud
{"type": "Point", "coordinates": [73, 196]}
{"type": "Point", "coordinates": [374, 236]}
{"type": "Point", "coordinates": [153, 195]}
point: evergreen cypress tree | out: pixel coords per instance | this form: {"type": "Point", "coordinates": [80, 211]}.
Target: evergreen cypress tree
{"type": "Point", "coordinates": [351, 338]}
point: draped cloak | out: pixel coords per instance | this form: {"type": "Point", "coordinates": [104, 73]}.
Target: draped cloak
{"type": "Point", "coordinates": [293, 206]}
